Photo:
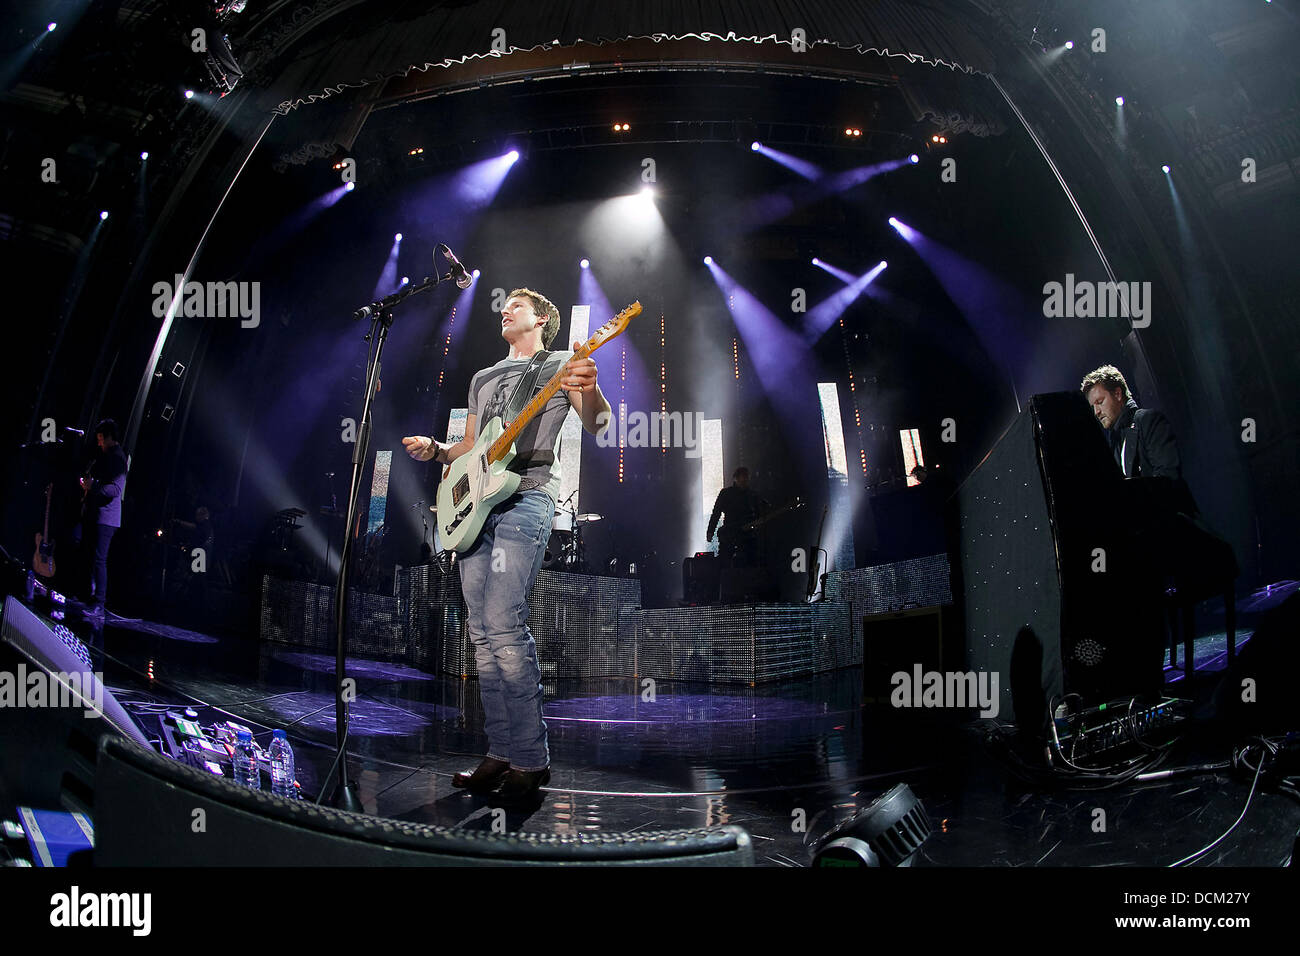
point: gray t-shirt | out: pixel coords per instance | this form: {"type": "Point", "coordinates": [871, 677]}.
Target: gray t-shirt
{"type": "Point", "coordinates": [538, 446]}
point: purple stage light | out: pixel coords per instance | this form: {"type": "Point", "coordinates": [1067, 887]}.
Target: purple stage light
{"type": "Point", "coordinates": [512, 155]}
{"type": "Point", "coordinates": [103, 215]}
{"type": "Point", "coordinates": [350, 186]}
{"type": "Point", "coordinates": [841, 274]}
{"type": "Point", "coordinates": [144, 155]}
{"type": "Point", "coordinates": [406, 280]}
{"type": "Point", "coordinates": [189, 94]}
{"type": "Point", "coordinates": [50, 27]}
{"type": "Point", "coordinates": [476, 273]}
{"type": "Point", "coordinates": [1164, 168]}
{"type": "Point", "coordinates": [904, 230]}
{"type": "Point", "coordinates": [398, 237]}
{"type": "Point", "coordinates": [585, 263]}
{"type": "Point", "coordinates": [1069, 44]}
{"type": "Point", "coordinates": [754, 146]}
{"type": "Point", "coordinates": [708, 261]}
{"type": "Point", "coordinates": [914, 158]}
{"type": "Point", "coordinates": [1119, 101]}
{"type": "Point", "coordinates": [801, 166]}
{"type": "Point", "coordinates": [822, 316]}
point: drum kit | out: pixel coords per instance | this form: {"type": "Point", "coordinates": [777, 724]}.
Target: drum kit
{"type": "Point", "coordinates": [564, 551]}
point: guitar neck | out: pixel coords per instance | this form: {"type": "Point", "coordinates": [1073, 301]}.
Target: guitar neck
{"type": "Point", "coordinates": [502, 445]}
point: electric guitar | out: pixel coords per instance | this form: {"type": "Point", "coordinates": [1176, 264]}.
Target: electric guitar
{"type": "Point", "coordinates": [480, 479]}
{"type": "Point", "coordinates": [43, 559]}
{"type": "Point", "coordinates": [727, 537]}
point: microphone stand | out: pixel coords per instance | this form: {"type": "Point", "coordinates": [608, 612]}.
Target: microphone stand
{"type": "Point", "coordinates": [380, 314]}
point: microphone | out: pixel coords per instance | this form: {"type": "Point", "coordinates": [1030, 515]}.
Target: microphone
{"type": "Point", "coordinates": [463, 278]}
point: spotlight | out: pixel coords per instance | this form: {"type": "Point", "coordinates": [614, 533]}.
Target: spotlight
{"type": "Point", "coordinates": [1069, 45]}
{"type": "Point", "coordinates": [103, 215]}
{"type": "Point", "coordinates": [647, 192]}
{"type": "Point", "coordinates": [886, 833]}
{"type": "Point", "coordinates": [512, 155]}
{"type": "Point", "coordinates": [708, 260]}
{"type": "Point", "coordinates": [405, 279]}
{"type": "Point", "coordinates": [893, 222]}
{"type": "Point", "coordinates": [189, 94]}
{"type": "Point", "coordinates": [816, 261]}
{"type": "Point", "coordinates": [475, 273]}
{"type": "Point", "coordinates": [934, 139]}
{"type": "Point", "coordinates": [915, 159]}
{"type": "Point", "coordinates": [50, 27]}
{"type": "Point", "coordinates": [398, 237]}
{"type": "Point", "coordinates": [145, 154]}
{"type": "Point", "coordinates": [350, 186]}
{"type": "Point", "coordinates": [585, 263]}
{"type": "Point", "coordinates": [1164, 168]}
{"type": "Point", "coordinates": [1119, 101]}
{"type": "Point", "coordinates": [754, 146]}
{"type": "Point", "coordinates": [943, 139]}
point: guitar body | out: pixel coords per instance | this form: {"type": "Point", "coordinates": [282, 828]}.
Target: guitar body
{"type": "Point", "coordinates": [43, 559]}
{"type": "Point", "coordinates": [471, 487]}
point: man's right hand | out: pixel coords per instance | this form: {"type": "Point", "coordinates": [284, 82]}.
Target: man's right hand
{"type": "Point", "coordinates": [420, 447]}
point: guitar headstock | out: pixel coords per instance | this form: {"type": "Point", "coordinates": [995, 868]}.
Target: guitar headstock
{"type": "Point", "coordinates": [614, 327]}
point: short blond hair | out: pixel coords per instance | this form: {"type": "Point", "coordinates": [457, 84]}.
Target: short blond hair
{"type": "Point", "coordinates": [542, 306]}
{"type": "Point", "coordinates": [1108, 377]}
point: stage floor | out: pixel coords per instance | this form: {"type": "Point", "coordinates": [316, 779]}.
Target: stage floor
{"type": "Point", "coordinates": [764, 758]}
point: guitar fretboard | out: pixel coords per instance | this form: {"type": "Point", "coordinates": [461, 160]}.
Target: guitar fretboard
{"type": "Point", "coordinates": [499, 447]}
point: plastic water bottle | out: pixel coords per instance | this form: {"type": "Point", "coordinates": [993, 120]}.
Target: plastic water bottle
{"type": "Point", "coordinates": [282, 772]}
{"type": "Point", "coordinates": [246, 771]}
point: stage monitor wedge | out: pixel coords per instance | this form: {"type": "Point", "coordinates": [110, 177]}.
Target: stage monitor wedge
{"type": "Point", "coordinates": [145, 807]}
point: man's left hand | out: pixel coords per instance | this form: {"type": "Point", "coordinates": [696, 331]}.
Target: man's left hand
{"type": "Point", "coordinates": [579, 374]}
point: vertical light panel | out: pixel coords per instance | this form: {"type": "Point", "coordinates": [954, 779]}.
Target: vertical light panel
{"type": "Point", "coordinates": [911, 439]}
{"type": "Point", "coordinates": [571, 430]}
{"type": "Point", "coordinates": [711, 477]}
{"type": "Point", "coordinates": [839, 525]}
{"type": "Point", "coordinates": [379, 490]}
{"type": "Point", "coordinates": [456, 423]}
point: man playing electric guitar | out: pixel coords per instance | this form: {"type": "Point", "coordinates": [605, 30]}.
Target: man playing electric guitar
{"type": "Point", "coordinates": [739, 505]}
{"type": "Point", "coordinates": [498, 571]}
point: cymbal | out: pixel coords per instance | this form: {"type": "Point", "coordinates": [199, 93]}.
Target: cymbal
{"type": "Point", "coordinates": [589, 516]}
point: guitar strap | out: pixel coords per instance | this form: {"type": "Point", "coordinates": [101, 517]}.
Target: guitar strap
{"type": "Point", "coordinates": [524, 388]}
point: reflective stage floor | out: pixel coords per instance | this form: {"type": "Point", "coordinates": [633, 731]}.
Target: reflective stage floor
{"type": "Point", "coordinates": [785, 762]}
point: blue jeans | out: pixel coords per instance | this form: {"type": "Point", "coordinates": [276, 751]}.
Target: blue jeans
{"type": "Point", "coordinates": [496, 576]}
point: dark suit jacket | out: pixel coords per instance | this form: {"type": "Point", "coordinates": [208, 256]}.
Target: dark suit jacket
{"type": "Point", "coordinates": [1146, 443]}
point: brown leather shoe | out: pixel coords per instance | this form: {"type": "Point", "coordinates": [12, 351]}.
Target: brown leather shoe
{"type": "Point", "coordinates": [487, 776]}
